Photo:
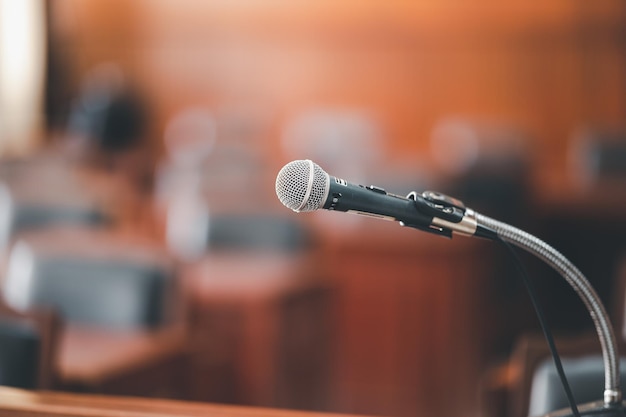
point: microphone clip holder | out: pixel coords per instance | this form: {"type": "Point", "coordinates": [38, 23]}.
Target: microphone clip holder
{"type": "Point", "coordinates": [448, 215]}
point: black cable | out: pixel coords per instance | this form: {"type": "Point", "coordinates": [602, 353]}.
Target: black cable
{"type": "Point", "coordinates": [543, 322]}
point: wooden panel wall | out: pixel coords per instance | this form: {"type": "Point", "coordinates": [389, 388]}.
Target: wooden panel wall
{"type": "Point", "coordinates": [546, 67]}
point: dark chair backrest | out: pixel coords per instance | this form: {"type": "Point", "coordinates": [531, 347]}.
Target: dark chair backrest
{"type": "Point", "coordinates": [599, 155]}
{"type": "Point", "coordinates": [585, 376]}
{"type": "Point", "coordinates": [529, 353]}
{"type": "Point", "coordinates": [104, 286]}
{"type": "Point", "coordinates": [112, 293]}
{"type": "Point", "coordinates": [20, 344]}
{"type": "Point", "coordinates": [32, 216]}
{"type": "Point", "coordinates": [45, 192]}
{"type": "Point", "coordinates": [258, 232]}
{"type": "Point", "coordinates": [28, 342]}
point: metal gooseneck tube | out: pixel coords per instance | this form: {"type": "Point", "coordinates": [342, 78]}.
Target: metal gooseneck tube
{"type": "Point", "coordinates": [612, 390]}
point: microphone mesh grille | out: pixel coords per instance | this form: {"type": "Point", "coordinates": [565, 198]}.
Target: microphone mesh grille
{"type": "Point", "coordinates": [301, 188]}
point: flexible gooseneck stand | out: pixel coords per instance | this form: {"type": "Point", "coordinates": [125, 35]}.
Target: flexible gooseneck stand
{"type": "Point", "coordinates": [521, 239]}
{"type": "Point", "coordinates": [304, 186]}
{"type": "Point", "coordinates": [470, 223]}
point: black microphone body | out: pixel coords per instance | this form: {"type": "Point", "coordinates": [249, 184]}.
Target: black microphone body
{"type": "Point", "coordinates": [373, 201]}
{"type": "Point", "coordinates": [303, 186]}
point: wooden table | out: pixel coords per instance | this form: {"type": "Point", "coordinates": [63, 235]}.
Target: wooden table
{"type": "Point", "coordinates": [140, 363]}
{"type": "Point", "coordinates": [260, 330]}
{"type": "Point", "coordinates": [19, 403]}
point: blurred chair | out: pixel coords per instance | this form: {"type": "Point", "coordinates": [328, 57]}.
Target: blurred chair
{"type": "Point", "coordinates": [585, 376]}
{"type": "Point", "coordinates": [32, 216]}
{"type": "Point", "coordinates": [539, 389]}
{"type": "Point", "coordinates": [598, 156]}
{"type": "Point", "coordinates": [204, 176]}
{"type": "Point", "coordinates": [194, 232]}
{"type": "Point", "coordinates": [215, 157]}
{"type": "Point", "coordinates": [194, 229]}
{"type": "Point", "coordinates": [508, 389]}
{"type": "Point", "coordinates": [91, 278]}
{"type": "Point", "coordinates": [124, 331]}
{"type": "Point", "coordinates": [28, 347]}
{"type": "Point", "coordinates": [43, 191]}
{"type": "Point", "coordinates": [257, 231]}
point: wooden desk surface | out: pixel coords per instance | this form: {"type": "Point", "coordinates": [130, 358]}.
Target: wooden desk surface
{"type": "Point", "coordinates": [224, 278]}
{"type": "Point", "coordinates": [20, 403]}
{"type": "Point", "coordinates": [89, 356]}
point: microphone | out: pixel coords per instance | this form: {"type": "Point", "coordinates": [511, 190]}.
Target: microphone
{"type": "Point", "coordinates": [303, 186]}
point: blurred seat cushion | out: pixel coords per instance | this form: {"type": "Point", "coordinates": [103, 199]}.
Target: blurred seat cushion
{"type": "Point", "coordinates": [585, 376]}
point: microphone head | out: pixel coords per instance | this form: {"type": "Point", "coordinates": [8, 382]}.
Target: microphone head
{"type": "Point", "coordinates": [302, 185]}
